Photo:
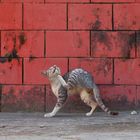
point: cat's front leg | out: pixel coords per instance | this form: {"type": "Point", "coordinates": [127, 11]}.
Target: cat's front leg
{"type": "Point", "coordinates": [53, 113]}
{"type": "Point", "coordinates": [61, 99]}
{"type": "Point", "coordinates": [63, 82]}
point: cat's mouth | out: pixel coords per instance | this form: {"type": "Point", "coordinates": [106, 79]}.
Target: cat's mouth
{"type": "Point", "coordinates": [43, 72]}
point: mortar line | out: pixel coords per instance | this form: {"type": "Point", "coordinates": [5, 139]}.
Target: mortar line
{"type": "Point", "coordinates": [0, 44]}
{"type": "Point", "coordinates": [44, 43]}
{"type": "Point", "coordinates": [136, 102]}
{"type": "Point", "coordinates": [45, 100]}
{"type": "Point", "coordinates": [136, 47]}
{"type": "Point", "coordinates": [105, 3]}
{"type": "Point", "coordinates": [113, 71]}
{"type": "Point", "coordinates": [35, 84]}
{"type": "Point", "coordinates": [68, 65]}
{"type": "Point", "coordinates": [67, 2]}
{"type": "Point", "coordinates": [72, 30]}
{"type": "Point", "coordinates": [23, 71]}
{"type": "Point", "coordinates": [0, 97]}
{"type": "Point", "coordinates": [67, 20]}
{"type": "Point", "coordinates": [90, 42]}
{"type": "Point", "coordinates": [112, 17]}
{"type": "Point", "coordinates": [22, 15]}
{"type": "Point", "coordinates": [79, 57]}
{"type": "Point", "coordinates": [89, 2]}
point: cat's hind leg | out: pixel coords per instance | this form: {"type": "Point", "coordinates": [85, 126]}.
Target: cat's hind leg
{"type": "Point", "coordinates": [87, 99]}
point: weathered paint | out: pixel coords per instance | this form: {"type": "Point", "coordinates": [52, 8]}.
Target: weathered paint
{"type": "Point", "coordinates": [100, 36]}
{"type": "Point", "coordinates": [22, 98]}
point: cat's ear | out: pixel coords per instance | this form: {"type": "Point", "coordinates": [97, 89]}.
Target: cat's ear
{"type": "Point", "coordinates": [59, 71]}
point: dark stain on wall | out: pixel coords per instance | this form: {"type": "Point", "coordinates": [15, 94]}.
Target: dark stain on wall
{"type": "Point", "coordinates": [96, 25]}
{"type": "Point", "coordinates": [9, 56]}
{"type": "Point", "coordinates": [104, 67]}
{"type": "Point", "coordinates": [22, 38]}
{"type": "Point", "coordinates": [79, 40]}
{"type": "Point", "coordinates": [138, 43]}
{"type": "Point", "coordinates": [0, 95]}
{"type": "Point", "coordinates": [119, 102]}
{"type": "Point", "coordinates": [138, 38]}
{"type": "Point", "coordinates": [101, 37]}
{"type": "Point", "coordinates": [25, 100]}
{"type": "Point", "coordinates": [129, 41]}
{"type": "Point", "coordinates": [3, 59]}
{"type": "Point", "coordinates": [31, 58]}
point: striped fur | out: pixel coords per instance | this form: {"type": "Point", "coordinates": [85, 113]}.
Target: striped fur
{"type": "Point", "coordinates": [81, 78]}
{"type": "Point", "coordinates": [76, 81]}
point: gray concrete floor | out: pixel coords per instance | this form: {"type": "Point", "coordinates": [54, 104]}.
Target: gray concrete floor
{"type": "Point", "coordinates": [32, 126]}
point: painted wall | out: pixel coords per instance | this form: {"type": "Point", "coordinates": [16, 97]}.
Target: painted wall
{"type": "Point", "coordinates": [101, 36]}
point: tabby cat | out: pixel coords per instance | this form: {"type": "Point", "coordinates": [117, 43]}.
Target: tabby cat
{"type": "Point", "coordinates": [76, 81]}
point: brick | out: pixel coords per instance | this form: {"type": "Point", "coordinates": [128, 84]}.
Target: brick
{"type": "Point", "coordinates": [22, 98]}
{"type": "Point", "coordinates": [73, 1]}
{"type": "Point", "coordinates": [101, 69]}
{"type": "Point", "coordinates": [26, 44]}
{"type": "Point", "coordinates": [138, 44]}
{"type": "Point", "coordinates": [67, 44]}
{"type": "Point", "coordinates": [90, 16]}
{"type": "Point", "coordinates": [33, 68]}
{"type": "Point", "coordinates": [33, 1]}
{"type": "Point", "coordinates": [45, 16]}
{"type": "Point", "coordinates": [10, 72]}
{"type": "Point", "coordinates": [127, 71]}
{"type": "Point", "coordinates": [73, 103]}
{"type": "Point", "coordinates": [10, 16]}
{"type": "Point", "coordinates": [119, 97]}
{"type": "Point", "coordinates": [127, 17]}
{"type": "Point", "coordinates": [112, 1]}
{"type": "Point", "coordinates": [113, 44]}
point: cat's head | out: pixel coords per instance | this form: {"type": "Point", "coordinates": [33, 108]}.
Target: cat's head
{"type": "Point", "coordinates": [51, 72]}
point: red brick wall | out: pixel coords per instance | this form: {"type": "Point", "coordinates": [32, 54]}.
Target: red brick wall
{"type": "Point", "coordinates": [100, 36]}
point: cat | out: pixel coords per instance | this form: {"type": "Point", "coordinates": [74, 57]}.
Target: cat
{"type": "Point", "coordinates": [76, 81]}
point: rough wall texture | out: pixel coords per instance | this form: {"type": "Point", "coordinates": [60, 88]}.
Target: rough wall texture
{"type": "Point", "coordinates": [101, 36]}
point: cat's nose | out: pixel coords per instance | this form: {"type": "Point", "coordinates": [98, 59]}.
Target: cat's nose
{"type": "Point", "coordinates": [43, 72]}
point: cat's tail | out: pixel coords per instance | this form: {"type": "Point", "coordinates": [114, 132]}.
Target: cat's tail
{"type": "Point", "coordinates": [100, 102]}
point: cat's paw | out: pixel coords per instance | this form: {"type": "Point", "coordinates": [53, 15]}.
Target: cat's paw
{"type": "Point", "coordinates": [88, 114]}
{"type": "Point", "coordinates": [49, 115]}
